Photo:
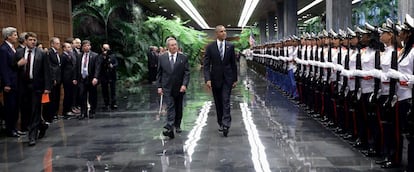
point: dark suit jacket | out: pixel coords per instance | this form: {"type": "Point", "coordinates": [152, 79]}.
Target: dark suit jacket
{"type": "Point", "coordinates": [172, 80]}
{"type": "Point", "coordinates": [94, 65]}
{"type": "Point", "coordinates": [152, 59]}
{"type": "Point", "coordinates": [55, 70]}
{"type": "Point", "coordinates": [8, 69]}
{"type": "Point", "coordinates": [41, 70]}
{"type": "Point", "coordinates": [68, 67]}
{"type": "Point", "coordinates": [106, 72]}
{"type": "Point", "coordinates": [219, 71]}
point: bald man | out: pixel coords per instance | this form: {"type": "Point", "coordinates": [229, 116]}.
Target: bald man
{"type": "Point", "coordinates": [108, 77]}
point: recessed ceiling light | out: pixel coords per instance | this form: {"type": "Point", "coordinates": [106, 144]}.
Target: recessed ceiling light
{"type": "Point", "coordinates": [165, 10]}
{"type": "Point", "coordinates": [160, 7]}
{"type": "Point", "coordinates": [172, 15]}
{"type": "Point", "coordinates": [152, 1]}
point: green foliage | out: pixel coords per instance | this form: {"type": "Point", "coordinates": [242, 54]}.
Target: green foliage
{"type": "Point", "coordinates": [243, 42]}
{"type": "Point", "coordinates": [123, 25]}
{"type": "Point", "coordinates": [374, 12]}
{"type": "Point", "coordinates": [313, 25]}
{"type": "Point", "coordinates": [191, 41]}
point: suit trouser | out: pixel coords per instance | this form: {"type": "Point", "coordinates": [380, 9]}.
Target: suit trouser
{"type": "Point", "coordinates": [152, 74]}
{"type": "Point", "coordinates": [68, 98]}
{"type": "Point", "coordinates": [221, 96]}
{"type": "Point", "coordinates": [30, 101]}
{"type": "Point", "coordinates": [10, 109]}
{"type": "Point", "coordinates": [52, 108]}
{"type": "Point", "coordinates": [87, 92]}
{"type": "Point", "coordinates": [174, 110]}
{"type": "Point", "coordinates": [105, 93]}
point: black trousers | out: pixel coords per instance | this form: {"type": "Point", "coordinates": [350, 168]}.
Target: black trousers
{"type": "Point", "coordinates": [221, 96]}
{"type": "Point", "coordinates": [30, 109]}
{"type": "Point", "coordinates": [87, 92]}
{"type": "Point", "coordinates": [11, 112]}
{"type": "Point", "coordinates": [52, 108]}
{"type": "Point", "coordinates": [152, 74]}
{"type": "Point", "coordinates": [174, 109]}
{"type": "Point", "coordinates": [69, 96]}
{"type": "Point", "coordinates": [109, 85]}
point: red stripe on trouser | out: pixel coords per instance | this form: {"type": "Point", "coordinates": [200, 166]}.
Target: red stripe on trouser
{"type": "Point", "coordinates": [397, 133]}
{"type": "Point", "coordinates": [365, 112]}
{"type": "Point", "coordinates": [346, 113]}
{"type": "Point", "coordinates": [381, 127]}
{"type": "Point", "coordinates": [355, 122]}
{"type": "Point", "coordinates": [323, 103]}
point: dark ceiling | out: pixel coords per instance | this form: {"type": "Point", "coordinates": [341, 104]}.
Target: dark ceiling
{"type": "Point", "coordinates": [225, 12]}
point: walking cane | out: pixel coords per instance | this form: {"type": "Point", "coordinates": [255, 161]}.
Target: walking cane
{"type": "Point", "coordinates": [159, 111]}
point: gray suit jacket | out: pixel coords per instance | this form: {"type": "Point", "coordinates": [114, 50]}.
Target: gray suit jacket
{"type": "Point", "coordinates": [172, 80]}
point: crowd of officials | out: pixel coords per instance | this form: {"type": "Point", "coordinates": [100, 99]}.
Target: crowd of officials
{"type": "Point", "coordinates": [357, 82]}
{"type": "Point", "coordinates": [29, 74]}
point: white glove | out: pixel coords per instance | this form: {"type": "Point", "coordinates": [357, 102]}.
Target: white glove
{"type": "Point", "coordinates": [375, 73]}
{"type": "Point", "coordinates": [346, 73]}
{"type": "Point", "coordinates": [408, 78]}
{"type": "Point", "coordinates": [357, 72]}
{"type": "Point", "coordinates": [393, 74]}
{"type": "Point", "coordinates": [339, 67]}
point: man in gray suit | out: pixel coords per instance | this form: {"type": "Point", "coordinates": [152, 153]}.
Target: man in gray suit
{"type": "Point", "coordinates": [172, 80]}
{"type": "Point", "coordinates": [33, 81]}
{"type": "Point", "coordinates": [220, 75]}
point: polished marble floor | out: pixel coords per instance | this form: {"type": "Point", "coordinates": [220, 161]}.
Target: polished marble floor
{"type": "Point", "coordinates": [268, 133]}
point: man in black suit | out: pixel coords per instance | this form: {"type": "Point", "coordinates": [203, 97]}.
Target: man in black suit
{"type": "Point", "coordinates": [9, 80]}
{"type": "Point", "coordinates": [172, 79]}
{"type": "Point", "coordinates": [33, 80]}
{"type": "Point", "coordinates": [55, 73]}
{"type": "Point", "coordinates": [109, 64]}
{"type": "Point", "coordinates": [220, 74]}
{"type": "Point", "coordinates": [152, 63]}
{"type": "Point", "coordinates": [69, 80]}
{"type": "Point", "coordinates": [87, 77]}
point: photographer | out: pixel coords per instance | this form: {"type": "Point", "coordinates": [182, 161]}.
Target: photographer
{"type": "Point", "coordinates": [108, 76]}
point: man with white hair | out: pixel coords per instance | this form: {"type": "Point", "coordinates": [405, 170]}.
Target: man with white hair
{"type": "Point", "coordinates": [9, 80]}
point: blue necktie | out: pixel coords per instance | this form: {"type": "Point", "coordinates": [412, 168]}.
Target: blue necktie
{"type": "Point", "coordinates": [221, 50]}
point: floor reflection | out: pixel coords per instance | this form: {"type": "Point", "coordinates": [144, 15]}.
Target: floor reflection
{"type": "Point", "coordinates": [269, 133]}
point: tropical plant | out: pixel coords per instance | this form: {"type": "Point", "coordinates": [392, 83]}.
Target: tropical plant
{"type": "Point", "coordinates": [191, 41]}
{"type": "Point", "coordinates": [243, 42]}
{"type": "Point", "coordinates": [374, 12]}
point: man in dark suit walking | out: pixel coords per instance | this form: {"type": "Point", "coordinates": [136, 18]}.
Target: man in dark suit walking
{"type": "Point", "coordinates": [69, 79]}
{"type": "Point", "coordinates": [220, 74]}
{"type": "Point", "coordinates": [56, 77]}
{"type": "Point", "coordinates": [172, 80]}
{"type": "Point", "coordinates": [152, 64]}
{"type": "Point", "coordinates": [9, 80]}
{"type": "Point", "coordinates": [108, 76]}
{"type": "Point", "coordinates": [33, 81]}
{"type": "Point", "coordinates": [88, 73]}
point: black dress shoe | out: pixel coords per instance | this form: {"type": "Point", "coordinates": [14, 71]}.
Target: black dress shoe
{"type": "Point", "coordinates": [389, 164]}
{"type": "Point", "coordinates": [382, 161]}
{"type": "Point", "coordinates": [42, 130]}
{"type": "Point", "coordinates": [178, 130]}
{"type": "Point", "coordinates": [169, 133]}
{"type": "Point", "coordinates": [225, 131]}
{"type": "Point", "coordinates": [220, 129]}
{"type": "Point", "coordinates": [32, 142]}
{"type": "Point", "coordinates": [21, 132]}
{"type": "Point", "coordinates": [13, 134]}
{"type": "Point", "coordinates": [81, 117]}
